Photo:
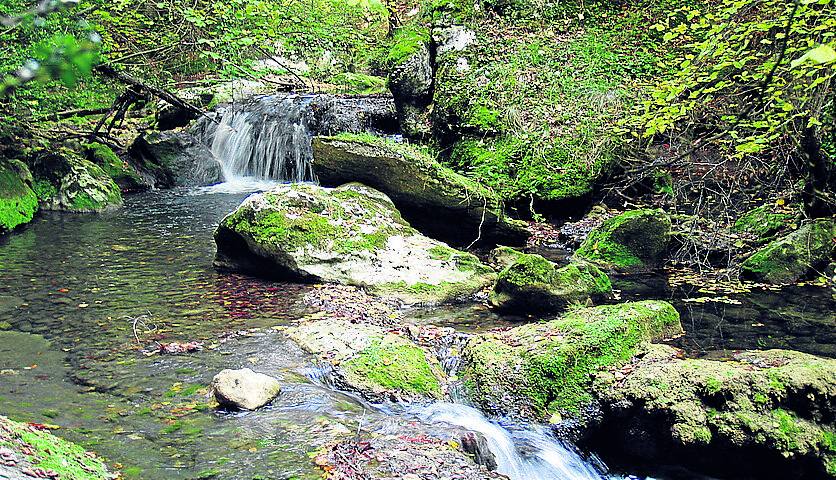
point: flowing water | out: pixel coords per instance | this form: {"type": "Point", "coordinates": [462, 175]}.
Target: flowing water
{"type": "Point", "coordinates": [269, 137]}
{"type": "Point", "coordinates": [85, 302]}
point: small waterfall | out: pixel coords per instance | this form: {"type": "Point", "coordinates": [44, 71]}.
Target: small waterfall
{"type": "Point", "coordinates": [527, 452]}
{"type": "Point", "coordinates": [262, 140]}
{"type": "Point", "coordinates": [268, 138]}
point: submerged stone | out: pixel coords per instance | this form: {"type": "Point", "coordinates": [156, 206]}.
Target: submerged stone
{"type": "Point", "coordinates": [791, 258]}
{"type": "Point", "coordinates": [533, 284]}
{"type": "Point", "coordinates": [375, 362]}
{"type": "Point", "coordinates": [244, 389]}
{"type": "Point", "coordinates": [774, 410]}
{"type": "Point", "coordinates": [66, 181]}
{"type": "Point", "coordinates": [633, 240]}
{"type": "Point", "coordinates": [435, 199]}
{"type": "Point", "coordinates": [349, 235]}
{"type": "Point", "coordinates": [540, 369]}
{"type": "Point", "coordinates": [18, 203]}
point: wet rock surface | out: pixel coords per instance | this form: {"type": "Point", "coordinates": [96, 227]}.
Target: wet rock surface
{"type": "Point", "coordinates": [379, 363]}
{"type": "Point", "coordinates": [533, 284]}
{"type": "Point", "coordinates": [176, 158]}
{"type": "Point", "coordinates": [244, 389]}
{"type": "Point", "coordinates": [66, 181]}
{"type": "Point", "coordinates": [541, 369]}
{"type": "Point", "coordinates": [433, 198]}
{"type": "Point", "coordinates": [774, 410]}
{"type": "Point", "coordinates": [794, 256]}
{"type": "Point", "coordinates": [349, 235]}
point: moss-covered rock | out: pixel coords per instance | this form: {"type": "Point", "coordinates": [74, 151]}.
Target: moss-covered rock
{"type": "Point", "coordinates": [635, 239]}
{"type": "Point", "coordinates": [66, 181]}
{"type": "Point", "coordinates": [763, 222]}
{"type": "Point", "coordinates": [541, 369]}
{"type": "Point", "coordinates": [533, 284]}
{"type": "Point", "coordinates": [435, 199]}
{"type": "Point", "coordinates": [411, 78]}
{"type": "Point", "coordinates": [350, 235]}
{"type": "Point", "coordinates": [32, 448]}
{"type": "Point", "coordinates": [794, 256]}
{"type": "Point", "coordinates": [18, 203]}
{"type": "Point", "coordinates": [379, 364]}
{"type": "Point", "coordinates": [503, 257]}
{"type": "Point", "coordinates": [776, 406]}
{"type": "Point", "coordinates": [120, 170]}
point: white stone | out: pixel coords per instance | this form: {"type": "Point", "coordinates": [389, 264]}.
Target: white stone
{"type": "Point", "coordinates": [244, 389]}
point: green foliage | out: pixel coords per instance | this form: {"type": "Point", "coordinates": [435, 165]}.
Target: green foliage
{"type": "Point", "coordinates": [406, 41]}
{"type": "Point", "coordinates": [753, 74]}
{"type": "Point", "coordinates": [18, 203]}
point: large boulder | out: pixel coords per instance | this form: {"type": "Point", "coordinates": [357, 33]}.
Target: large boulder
{"type": "Point", "coordinates": [368, 359]}
{"type": "Point", "coordinates": [762, 223]}
{"type": "Point", "coordinates": [542, 369]}
{"type": "Point", "coordinates": [791, 258]}
{"type": "Point", "coordinates": [18, 203]}
{"type": "Point", "coordinates": [636, 239]}
{"type": "Point", "coordinates": [774, 411]}
{"type": "Point", "coordinates": [533, 284]}
{"type": "Point", "coordinates": [66, 181]}
{"type": "Point", "coordinates": [176, 159]}
{"type": "Point", "coordinates": [244, 389]}
{"type": "Point", "coordinates": [119, 169]}
{"type": "Point", "coordinates": [349, 235]}
{"type": "Point", "coordinates": [438, 201]}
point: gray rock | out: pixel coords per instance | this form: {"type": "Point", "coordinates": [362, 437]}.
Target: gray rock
{"type": "Point", "coordinates": [180, 156]}
{"type": "Point", "coordinates": [435, 199]}
{"type": "Point", "coordinates": [244, 389]}
{"type": "Point", "coordinates": [350, 235]}
{"type": "Point", "coordinates": [66, 181]}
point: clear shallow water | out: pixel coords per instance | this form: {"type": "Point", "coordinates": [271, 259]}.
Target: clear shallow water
{"type": "Point", "coordinates": [86, 301]}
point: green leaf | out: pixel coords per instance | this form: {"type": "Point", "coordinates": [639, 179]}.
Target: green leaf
{"type": "Point", "coordinates": [821, 55]}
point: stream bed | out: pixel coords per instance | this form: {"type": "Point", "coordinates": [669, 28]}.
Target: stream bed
{"type": "Point", "coordinates": [86, 300]}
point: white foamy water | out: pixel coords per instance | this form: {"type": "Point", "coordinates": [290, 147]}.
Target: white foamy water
{"type": "Point", "coordinates": [523, 454]}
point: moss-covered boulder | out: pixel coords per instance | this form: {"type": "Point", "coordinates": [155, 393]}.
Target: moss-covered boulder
{"type": "Point", "coordinates": [636, 239]}
{"type": "Point", "coordinates": [350, 235]}
{"type": "Point", "coordinates": [18, 203]}
{"type": "Point", "coordinates": [774, 411]}
{"type": "Point", "coordinates": [503, 257]}
{"type": "Point", "coordinates": [119, 169]}
{"type": "Point", "coordinates": [532, 284]}
{"type": "Point", "coordinates": [28, 449]}
{"type": "Point", "coordinates": [66, 181]}
{"type": "Point", "coordinates": [371, 360]}
{"type": "Point", "coordinates": [542, 369]}
{"type": "Point", "coordinates": [762, 223]}
{"type": "Point", "coordinates": [794, 256]}
{"type": "Point", "coordinates": [433, 198]}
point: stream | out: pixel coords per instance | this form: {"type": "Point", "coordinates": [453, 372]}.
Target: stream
{"type": "Point", "coordinates": [85, 300]}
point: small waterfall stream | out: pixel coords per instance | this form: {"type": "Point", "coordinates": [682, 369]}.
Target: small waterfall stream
{"type": "Point", "coordinates": [268, 138]}
{"type": "Point", "coordinates": [527, 452]}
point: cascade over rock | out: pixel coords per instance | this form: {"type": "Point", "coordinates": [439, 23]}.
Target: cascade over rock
{"type": "Point", "coordinates": [350, 235]}
{"type": "Point", "coordinates": [269, 137]}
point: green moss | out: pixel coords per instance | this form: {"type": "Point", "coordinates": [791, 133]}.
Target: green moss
{"type": "Point", "coordinates": [548, 367]}
{"type": "Point", "coordinates": [44, 189]}
{"type": "Point", "coordinates": [407, 41]}
{"type": "Point", "coordinates": [635, 238]}
{"type": "Point", "coordinates": [790, 258]}
{"type": "Point", "coordinates": [440, 252]}
{"type": "Point", "coordinates": [395, 366]}
{"type": "Point", "coordinates": [532, 284]}
{"type": "Point", "coordinates": [46, 451]}
{"type": "Point", "coordinates": [762, 222]}
{"type": "Point", "coordinates": [18, 203]}
{"type": "Point", "coordinates": [359, 83]}
{"type": "Point", "coordinates": [116, 168]}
